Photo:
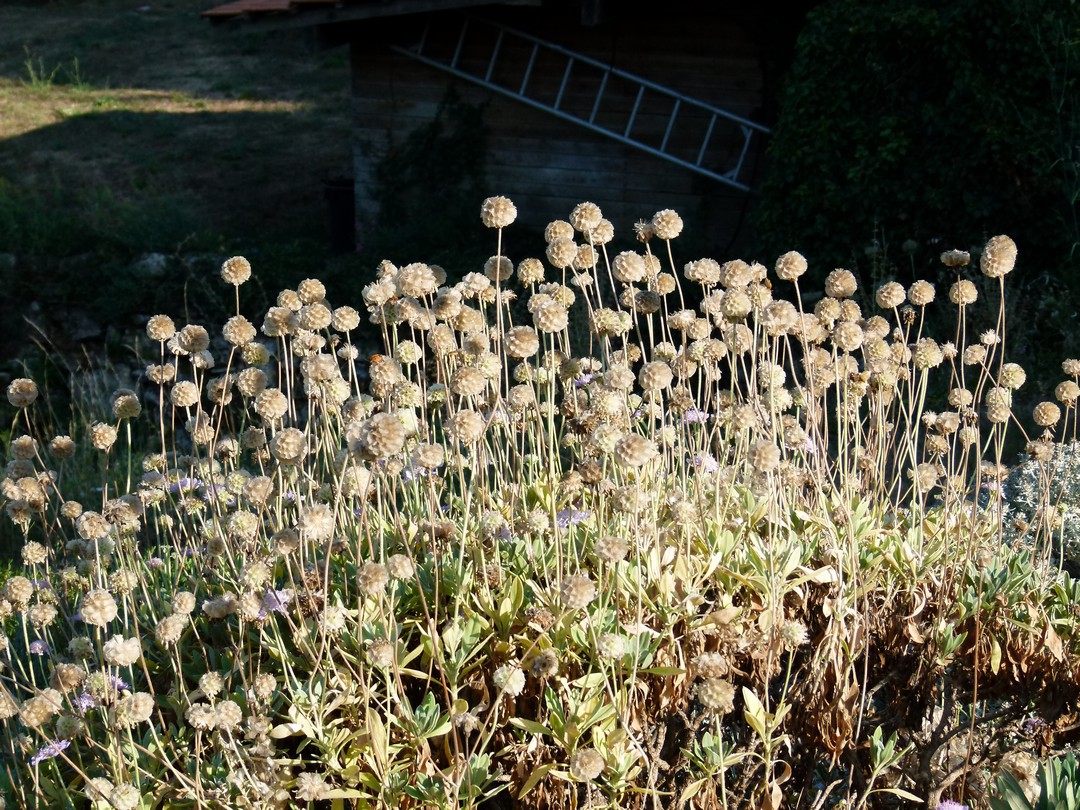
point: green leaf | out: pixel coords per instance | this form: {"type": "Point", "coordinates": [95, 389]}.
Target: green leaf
{"type": "Point", "coordinates": [755, 713]}
{"type": "Point", "coordinates": [531, 726]}
{"type": "Point", "coordinates": [534, 778]}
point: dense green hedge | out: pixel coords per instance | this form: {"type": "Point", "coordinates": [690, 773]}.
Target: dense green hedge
{"type": "Point", "coordinates": [909, 126]}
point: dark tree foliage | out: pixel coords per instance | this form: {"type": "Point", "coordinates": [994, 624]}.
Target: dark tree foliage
{"type": "Point", "coordinates": [908, 127]}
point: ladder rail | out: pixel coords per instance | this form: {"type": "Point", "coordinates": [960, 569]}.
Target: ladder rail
{"type": "Point", "coordinates": [678, 100]}
{"type": "Point", "coordinates": [721, 178]}
{"type": "Point", "coordinates": [622, 74]}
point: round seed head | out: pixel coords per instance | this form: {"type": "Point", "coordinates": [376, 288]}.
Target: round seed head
{"type": "Point", "coordinates": [372, 579]}
{"type": "Point", "coordinates": [498, 268]}
{"type": "Point", "coordinates": [577, 591]}
{"type": "Point", "coordinates": [160, 328]}
{"type": "Point", "coordinates": [561, 253]}
{"type": "Point", "coordinates": [586, 764]}
{"type": "Point", "coordinates": [558, 229]}
{"type": "Point", "coordinates": [467, 382]}
{"type": "Point", "coordinates": [585, 217]}
{"type": "Point", "coordinates": [416, 280]}
{"type": "Point", "coordinates": [890, 295]}
{"type": "Point", "coordinates": [998, 257]}
{"type": "Point", "coordinates": [840, 284]}
{"type": "Point", "coordinates": [193, 339]}
{"type": "Point", "coordinates": [530, 271]}
{"type": "Point", "coordinates": [634, 450]}
{"type": "Point", "coordinates": [655, 375]}
{"type": "Point", "coordinates": [666, 224]}
{"type": "Point", "coordinates": [1067, 393]}
{"type": "Point", "coordinates": [466, 426]}
{"type": "Point", "coordinates": [790, 266]}
{"type": "Point", "coordinates": [764, 456]}
{"type": "Point", "coordinates": [22, 392]}
{"type": "Point", "coordinates": [309, 291]}
{"type": "Point", "coordinates": [716, 695]}
{"type": "Point", "coordinates": [921, 293]}
{"type": "Point", "coordinates": [289, 446]}
{"type": "Point", "coordinates": [236, 270]}
{"type": "Point", "coordinates": [955, 258]}
{"type": "Point", "coordinates": [1047, 414]}
{"type": "Point", "coordinates": [497, 212]}
{"type": "Point", "coordinates": [521, 342]}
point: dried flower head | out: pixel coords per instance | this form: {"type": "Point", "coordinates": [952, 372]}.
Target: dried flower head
{"type": "Point", "coordinates": [509, 679]}
{"type": "Point", "coordinates": [1047, 414]}
{"type": "Point", "coordinates": [497, 212]}
{"type": "Point", "coordinates": [236, 270]}
{"type": "Point", "coordinates": [717, 695]}
{"type": "Point", "coordinates": [372, 578]}
{"type": "Point", "coordinates": [577, 591]}
{"type": "Point", "coordinates": [890, 295]}
{"type": "Point", "coordinates": [840, 284]}
{"type": "Point", "coordinates": [97, 607]}
{"type": "Point", "coordinates": [634, 450]}
{"type": "Point", "coordinates": [585, 217]}
{"type": "Point", "coordinates": [790, 266]}
{"type": "Point", "coordinates": [955, 258]}
{"type": "Point", "coordinates": [921, 293]}
{"type": "Point", "coordinates": [666, 224]}
{"type": "Point", "coordinates": [587, 764]}
{"type": "Point", "coordinates": [998, 257]}
{"type": "Point", "coordinates": [22, 392]}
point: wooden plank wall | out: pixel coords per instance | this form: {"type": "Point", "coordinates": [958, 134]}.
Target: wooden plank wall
{"type": "Point", "coordinates": [548, 165]}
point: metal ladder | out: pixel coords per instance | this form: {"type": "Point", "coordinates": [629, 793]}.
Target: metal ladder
{"type": "Point", "coordinates": [685, 131]}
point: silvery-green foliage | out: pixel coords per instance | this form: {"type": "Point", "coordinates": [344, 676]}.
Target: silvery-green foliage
{"type": "Point", "coordinates": [1042, 502]}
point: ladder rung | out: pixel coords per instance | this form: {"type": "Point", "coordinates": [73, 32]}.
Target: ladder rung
{"type": "Point", "coordinates": [565, 79]}
{"type": "Point", "coordinates": [633, 112]}
{"type": "Point", "coordinates": [599, 95]}
{"type": "Point", "coordinates": [460, 43]}
{"type": "Point", "coordinates": [494, 56]}
{"type": "Point", "coordinates": [529, 67]}
{"type": "Point", "coordinates": [670, 125]}
{"type": "Point", "coordinates": [705, 140]}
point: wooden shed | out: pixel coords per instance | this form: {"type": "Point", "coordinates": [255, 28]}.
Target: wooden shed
{"type": "Point", "coordinates": [635, 106]}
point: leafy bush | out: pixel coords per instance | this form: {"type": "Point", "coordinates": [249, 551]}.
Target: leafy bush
{"type": "Point", "coordinates": [724, 556]}
{"type": "Point", "coordinates": [964, 119]}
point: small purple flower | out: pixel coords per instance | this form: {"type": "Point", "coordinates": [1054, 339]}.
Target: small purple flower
{"type": "Point", "coordinates": [275, 601]}
{"type": "Point", "coordinates": [1032, 725]}
{"type": "Point", "coordinates": [583, 380]}
{"type": "Point", "coordinates": [118, 683]}
{"type": "Point", "coordinates": [39, 647]}
{"type": "Point", "coordinates": [951, 805]}
{"type": "Point", "coordinates": [155, 563]}
{"type": "Point", "coordinates": [49, 751]}
{"type": "Point", "coordinates": [705, 463]}
{"type": "Point", "coordinates": [570, 517]}
{"type": "Point", "coordinates": [84, 702]}
{"type": "Point", "coordinates": [184, 485]}
{"type": "Point", "coordinates": [695, 416]}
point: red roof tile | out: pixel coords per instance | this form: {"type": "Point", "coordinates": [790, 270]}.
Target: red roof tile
{"type": "Point", "coordinates": [240, 7]}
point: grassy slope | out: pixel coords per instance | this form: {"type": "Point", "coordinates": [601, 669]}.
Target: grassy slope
{"type": "Point", "coordinates": [241, 126]}
{"type": "Point", "coordinates": [128, 128]}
